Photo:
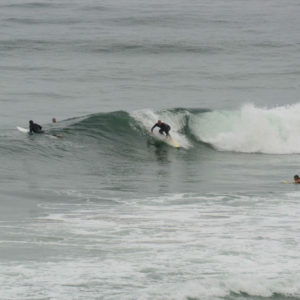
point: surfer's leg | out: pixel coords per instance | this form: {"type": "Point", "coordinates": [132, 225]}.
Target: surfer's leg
{"type": "Point", "coordinates": [167, 132]}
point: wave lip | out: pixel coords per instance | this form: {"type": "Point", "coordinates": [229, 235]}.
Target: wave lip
{"type": "Point", "coordinates": [250, 129]}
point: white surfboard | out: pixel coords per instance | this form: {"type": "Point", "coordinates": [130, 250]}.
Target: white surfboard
{"type": "Point", "coordinates": [24, 130]}
{"type": "Point", "coordinates": [170, 141]}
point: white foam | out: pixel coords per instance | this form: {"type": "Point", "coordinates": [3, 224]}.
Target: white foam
{"type": "Point", "coordinates": [251, 129]}
{"type": "Point", "coordinates": [169, 247]}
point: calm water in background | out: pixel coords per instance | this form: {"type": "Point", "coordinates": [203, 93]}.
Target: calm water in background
{"type": "Point", "coordinates": [108, 212]}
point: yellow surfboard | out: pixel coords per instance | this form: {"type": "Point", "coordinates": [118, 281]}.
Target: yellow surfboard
{"type": "Point", "coordinates": [172, 142]}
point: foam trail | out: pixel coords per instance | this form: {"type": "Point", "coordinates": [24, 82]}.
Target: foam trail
{"type": "Point", "coordinates": [250, 129]}
{"type": "Point", "coordinates": [147, 118]}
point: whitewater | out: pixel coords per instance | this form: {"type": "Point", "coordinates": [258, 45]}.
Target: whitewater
{"type": "Point", "coordinates": [251, 129]}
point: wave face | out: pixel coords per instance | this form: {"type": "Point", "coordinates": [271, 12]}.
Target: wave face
{"type": "Point", "coordinates": [122, 129]}
{"type": "Point", "coordinates": [248, 130]}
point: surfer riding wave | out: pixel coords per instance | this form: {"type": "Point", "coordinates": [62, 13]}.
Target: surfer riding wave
{"type": "Point", "coordinates": [163, 128]}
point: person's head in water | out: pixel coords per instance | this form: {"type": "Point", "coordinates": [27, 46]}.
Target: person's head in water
{"type": "Point", "coordinates": [296, 179]}
{"type": "Point", "coordinates": [159, 122]}
{"type": "Point", "coordinates": [30, 122]}
{"type": "Point", "coordinates": [53, 120]}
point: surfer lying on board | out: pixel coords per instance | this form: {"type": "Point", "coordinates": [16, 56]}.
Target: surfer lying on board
{"type": "Point", "coordinates": [163, 128]}
{"type": "Point", "coordinates": [36, 128]}
{"type": "Point", "coordinates": [296, 179]}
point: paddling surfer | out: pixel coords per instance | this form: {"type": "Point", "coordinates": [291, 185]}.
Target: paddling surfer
{"type": "Point", "coordinates": [34, 127]}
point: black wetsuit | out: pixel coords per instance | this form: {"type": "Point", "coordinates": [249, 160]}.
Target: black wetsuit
{"type": "Point", "coordinates": [163, 128]}
{"type": "Point", "coordinates": [36, 128]}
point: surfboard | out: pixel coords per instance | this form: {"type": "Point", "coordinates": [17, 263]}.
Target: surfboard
{"type": "Point", "coordinates": [170, 141]}
{"type": "Point", "coordinates": [24, 130]}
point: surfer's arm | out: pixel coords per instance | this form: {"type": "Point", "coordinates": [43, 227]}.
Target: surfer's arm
{"type": "Point", "coordinates": [155, 125]}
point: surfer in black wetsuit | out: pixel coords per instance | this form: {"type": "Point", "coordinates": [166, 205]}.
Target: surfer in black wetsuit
{"type": "Point", "coordinates": [163, 128]}
{"type": "Point", "coordinates": [33, 127]}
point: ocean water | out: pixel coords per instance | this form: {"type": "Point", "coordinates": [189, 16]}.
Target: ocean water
{"type": "Point", "coordinates": [110, 212]}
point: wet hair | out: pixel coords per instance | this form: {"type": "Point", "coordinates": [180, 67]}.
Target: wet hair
{"type": "Point", "coordinates": [31, 122]}
{"type": "Point", "coordinates": [296, 177]}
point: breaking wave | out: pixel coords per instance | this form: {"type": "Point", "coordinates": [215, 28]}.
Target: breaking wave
{"type": "Point", "coordinates": [249, 129]}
